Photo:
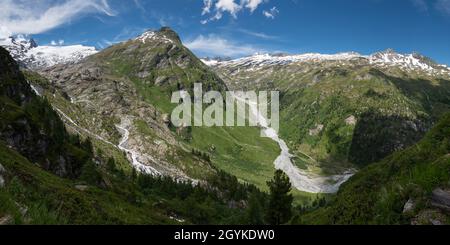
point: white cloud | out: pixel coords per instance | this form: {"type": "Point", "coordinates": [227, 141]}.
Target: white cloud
{"type": "Point", "coordinates": [421, 5]}
{"type": "Point", "coordinates": [228, 6]}
{"type": "Point", "coordinates": [213, 45]}
{"type": "Point", "coordinates": [4, 32]}
{"type": "Point", "coordinates": [139, 5]}
{"type": "Point", "coordinates": [443, 5]}
{"type": "Point", "coordinates": [57, 43]}
{"type": "Point", "coordinates": [207, 4]}
{"type": "Point", "coordinates": [257, 34]}
{"type": "Point", "coordinates": [271, 13]}
{"type": "Point", "coordinates": [33, 17]}
{"type": "Point", "coordinates": [218, 7]}
{"type": "Point", "coordinates": [253, 4]}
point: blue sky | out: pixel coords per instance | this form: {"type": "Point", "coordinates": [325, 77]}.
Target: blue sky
{"type": "Point", "coordinates": [242, 27]}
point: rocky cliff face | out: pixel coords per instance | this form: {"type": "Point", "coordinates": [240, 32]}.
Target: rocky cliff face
{"type": "Point", "coordinates": [30, 126]}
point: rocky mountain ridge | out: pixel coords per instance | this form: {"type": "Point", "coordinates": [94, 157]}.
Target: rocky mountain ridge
{"type": "Point", "coordinates": [346, 108]}
{"type": "Point", "coordinates": [116, 94]}
{"type": "Point", "coordinates": [385, 59]}
{"type": "Point", "coordinates": [32, 56]}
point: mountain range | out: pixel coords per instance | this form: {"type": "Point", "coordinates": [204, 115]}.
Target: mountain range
{"type": "Point", "coordinates": [389, 58]}
{"type": "Point", "coordinates": [97, 124]}
{"type": "Point", "coordinates": [30, 55]}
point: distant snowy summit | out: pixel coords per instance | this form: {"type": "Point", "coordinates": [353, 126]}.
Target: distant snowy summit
{"type": "Point", "coordinates": [385, 59]}
{"type": "Point", "coordinates": [28, 54]}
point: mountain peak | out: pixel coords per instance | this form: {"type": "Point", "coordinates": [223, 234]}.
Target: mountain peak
{"type": "Point", "coordinates": [29, 54]}
{"type": "Point", "coordinates": [414, 61]}
{"type": "Point", "coordinates": [165, 34]}
{"type": "Point", "coordinates": [392, 54]}
{"type": "Point", "coordinates": [26, 42]}
{"type": "Point", "coordinates": [170, 33]}
{"type": "Point", "coordinates": [389, 51]}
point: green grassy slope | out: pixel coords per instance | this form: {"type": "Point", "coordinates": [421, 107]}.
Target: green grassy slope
{"type": "Point", "coordinates": [50, 199]}
{"type": "Point", "coordinates": [239, 151]}
{"type": "Point", "coordinates": [50, 176]}
{"type": "Point", "coordinates": [378, 193]}
{"type": "Point", "coordinates": [335, 115]}
{"type": "Point", "coordinates": [34, 196]}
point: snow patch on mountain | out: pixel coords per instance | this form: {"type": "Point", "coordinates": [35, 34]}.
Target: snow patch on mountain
{"type": "Point", "coordinates": [259, 60]}
{"type": "Point", "coordinates": [51, 55]}
{"type": "Point", "coordinates": [389, 58]}
{"type": "Point", "coordinates": [154, 36]}
{"type": "Point", "coordinates": [28, 54]}
{"type": "Point", "coordinates": [406, 61]}
{"type": "Point", "coordinates": [210, 62]}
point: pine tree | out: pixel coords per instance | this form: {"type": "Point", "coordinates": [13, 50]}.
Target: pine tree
{"type": "Point", "coordinates": [133, 174]}
{"type": "Point", "coordinates": [111, 165]}
{"type": "Point", "coordinates": [88, 147]}
{"type": "Point", "coordinates": [90, 174]}
{"type": "Point", "coordinates": [254, 213]}
{"type": "Point", "coordinates": [280, 201]}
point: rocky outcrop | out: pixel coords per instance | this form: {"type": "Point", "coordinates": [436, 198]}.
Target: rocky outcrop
{"type": "Point", "coordinates": [29, 124]}
{"type": "Point", "coordinates": [409, 206]}
{"type": "Point", "coordinates": [441, 199]}
{"type": "Point", "coordinates": [376, 136]}
{"type": "Point", "coordinates": [6, 220]}
{"type": "Point", "coordinates": [316, 131]}
{"type": "Point", "coordinates": [351, 120]}
{"type": "Point", "coordinates": [429, 217]}
{"type": "Point", "coordinates": [2, 172]}
{"type": "Point", "coordinates": [81, 187]}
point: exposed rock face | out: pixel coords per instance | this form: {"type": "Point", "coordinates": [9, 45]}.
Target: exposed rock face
{"type": "Point", "coordinates": [2, 180]}
{"type": "Point", "coordinates": [34, 130]}
{"type": "Point", "coordinates": [316, 131]}
{"type": "Point", "coordinates": [441, 199]}
{"type": "Point", "coordinates": [81, 187]}
{"type": "Point", "coordinates": [6, 220]}
{"type": "Point", "coordinates": [409, 206]}
{"type": "Point", "coordinates": [376, 136]}
{"type": "Point", "coordinates": [351, 120]}
{"type": "Point", "coordinates": [429, 217]}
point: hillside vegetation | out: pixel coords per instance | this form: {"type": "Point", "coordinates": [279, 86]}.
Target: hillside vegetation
{"type": "Point", "coordinates": [50, 176]}
{"type": "Point", "coordinates": [344, 112]}
{"type": "Point", "coordinates": [381, 192]}
{"type": "Point", "coordinates": [135, 79]}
